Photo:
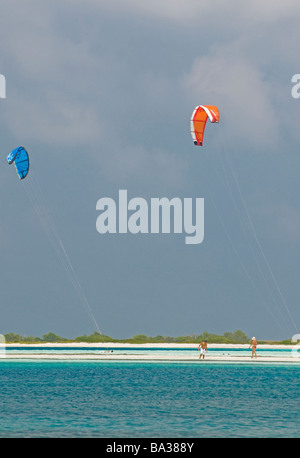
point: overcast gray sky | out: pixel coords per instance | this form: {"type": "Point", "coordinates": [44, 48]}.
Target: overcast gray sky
{"type": "Point", "coordinates": [101, 94]}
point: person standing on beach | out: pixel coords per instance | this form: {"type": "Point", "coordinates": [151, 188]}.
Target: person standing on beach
{"type": "Point", "coordinates": [203, 348]}
{"type": "Point", "coordinates": [253, 345]}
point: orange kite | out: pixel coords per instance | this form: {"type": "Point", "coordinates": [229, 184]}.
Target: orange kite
{"type": "Point", "coordinates": [198, 121]}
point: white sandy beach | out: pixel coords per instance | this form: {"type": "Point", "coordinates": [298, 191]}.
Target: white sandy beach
{"type": "Point", "coordinates": [44, 351]}
{"type": "Point", "coordinates": [147, 345]}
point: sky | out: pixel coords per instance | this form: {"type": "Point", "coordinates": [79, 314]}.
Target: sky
{"type": "Point", "coordinates": [101, 94]}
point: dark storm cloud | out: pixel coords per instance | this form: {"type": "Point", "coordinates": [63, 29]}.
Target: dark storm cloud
{"type": "Point", "coordinates": [102, 92]}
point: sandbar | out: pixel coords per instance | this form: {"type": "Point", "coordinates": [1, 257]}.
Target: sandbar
{"type": "Point", "coordinates": [134, 352]}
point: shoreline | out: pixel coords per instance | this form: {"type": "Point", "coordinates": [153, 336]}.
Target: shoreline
{"type": "Point", "coordinates": [103, 355]}
{"type": "Point", "coordinates": [145, 345]}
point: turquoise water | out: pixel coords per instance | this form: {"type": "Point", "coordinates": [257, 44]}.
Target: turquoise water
{"type": "Point", "coordinates": [281, 352]}
{"type": "Point", "coordinates": [130, 399]}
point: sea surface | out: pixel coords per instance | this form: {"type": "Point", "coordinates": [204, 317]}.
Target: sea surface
{"type": "Point", "coordinates": [130, 399]}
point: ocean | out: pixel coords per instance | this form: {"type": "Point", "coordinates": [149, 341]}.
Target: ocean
{"type": "Point", "coordinates": [110, 399]}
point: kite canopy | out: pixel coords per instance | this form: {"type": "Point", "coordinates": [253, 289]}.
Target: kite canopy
{"type": "Point", "coordinates": [21, 159]}
{"type": "Point", "coordinates": [198, 121]}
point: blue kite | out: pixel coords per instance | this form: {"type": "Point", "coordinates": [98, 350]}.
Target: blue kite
{"type": "Point", "coordinates": [21, 159]}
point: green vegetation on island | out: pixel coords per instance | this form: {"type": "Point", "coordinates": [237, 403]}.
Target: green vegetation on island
{"type": "Point", "coordinates": [237, 337]}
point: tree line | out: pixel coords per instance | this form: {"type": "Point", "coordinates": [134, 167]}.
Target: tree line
{"type": "Point", "coordinates": [237, 337]}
